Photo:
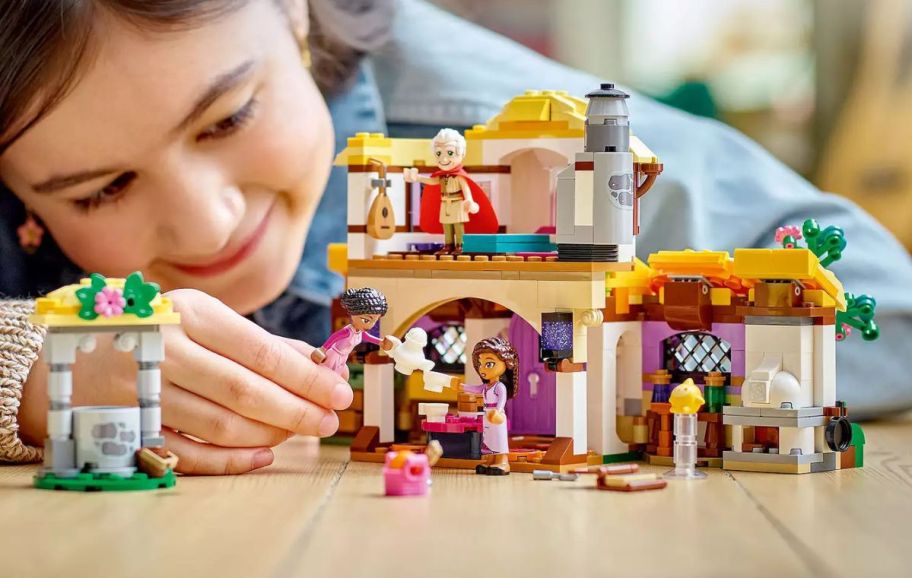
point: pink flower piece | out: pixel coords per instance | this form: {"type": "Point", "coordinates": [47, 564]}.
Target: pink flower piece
{"type": "Point", "coordinates": [792, 230]}
{"type": "Point", "coordinates": [109, 302]}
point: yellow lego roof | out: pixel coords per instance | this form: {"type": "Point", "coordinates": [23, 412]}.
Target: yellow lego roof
{"type": "Point", "coordinates": [798, 264]}
{"type": "Point", "coordinates": [60, 308]}
{"type": "Point", "coordinates": [534, 115]}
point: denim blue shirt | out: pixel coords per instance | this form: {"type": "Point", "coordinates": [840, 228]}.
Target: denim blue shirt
{"type": "Point", "coordinates": [719, 190]}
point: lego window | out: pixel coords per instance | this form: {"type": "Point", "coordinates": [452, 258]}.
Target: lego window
{"type": "Point", "coordinates": [693, 353]}
{"type": "Point", "coordinates": [447, 347]}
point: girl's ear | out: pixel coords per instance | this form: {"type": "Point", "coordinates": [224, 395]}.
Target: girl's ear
{"type": "Point", "coordinates": [298, 18]}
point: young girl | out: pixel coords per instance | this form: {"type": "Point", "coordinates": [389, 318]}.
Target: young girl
{"type": "Point", "coordinates": [495, 360]}
{"type": "Point", "coordinates": [189, 139]}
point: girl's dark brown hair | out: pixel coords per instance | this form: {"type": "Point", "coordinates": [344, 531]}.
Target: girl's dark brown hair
{"type": "Point", "coordinates": [44, 44]}
{"type": "Point", "coordinates": [504, 350]}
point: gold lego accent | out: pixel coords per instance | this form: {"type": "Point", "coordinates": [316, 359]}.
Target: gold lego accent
{"type": "Point", "coordinates": [715, 264]}
{"type": "Point", "coordinates": [721, 296]}
{"type": "Point", "coordinates": [337, 258]}
{"type": "Point", "coordinates": [787, 264]}
{"type": "Point", "coordinates": [60, 308]}
{"type": "Point", "coordinates": [818, 297]}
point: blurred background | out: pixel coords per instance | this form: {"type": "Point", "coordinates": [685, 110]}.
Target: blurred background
{"type": "Point", "coordinates": [822, 84]}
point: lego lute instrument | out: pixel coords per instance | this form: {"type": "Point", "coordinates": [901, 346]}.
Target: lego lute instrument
{"type": "Point", "coordinates": [381, 220]}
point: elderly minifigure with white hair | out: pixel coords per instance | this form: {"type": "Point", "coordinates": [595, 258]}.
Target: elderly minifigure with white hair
{"type": "Point", "coordinates": [450, 196]}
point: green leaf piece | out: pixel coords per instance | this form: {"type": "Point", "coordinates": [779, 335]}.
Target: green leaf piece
{"type": "Point", "coordinates": [139, 295]}
{"type": "Point", "coordinates": [86, 296]}
{"type": "Point", "coordinates": [859, 313]}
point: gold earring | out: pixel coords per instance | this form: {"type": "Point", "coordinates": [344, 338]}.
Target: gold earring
{"type": "Point", "coordinates": [305, 54]}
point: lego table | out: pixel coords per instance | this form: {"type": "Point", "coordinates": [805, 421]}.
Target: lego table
{"type": "Point", "coordinates": [315, 514]}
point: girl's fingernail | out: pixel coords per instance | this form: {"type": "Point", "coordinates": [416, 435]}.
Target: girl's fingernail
{"type": "Point", "coordinates": [328, 426]}
{"type": "Point", "coordinates": [263, 458]}
{"type": "Point", "coordinates": [342, 396]}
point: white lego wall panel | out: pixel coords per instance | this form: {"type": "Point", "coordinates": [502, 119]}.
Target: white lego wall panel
{"type": "Point", "coordinates": [378, 399]}
{"type": "Point", "coordinates": [779, 338]}
{"type": "Point", "coordinates": [571, 409]}
{"type": "Point", "coordinates": [824, 365]}
{"type": "Point", "coordinates": [565, 206]}
{"type": "Point", "coordinates": [582, 198]}
{"type": "Point", "coordinates": [497, 187]}
{"type": "Point", "coordinates": [359, 197]}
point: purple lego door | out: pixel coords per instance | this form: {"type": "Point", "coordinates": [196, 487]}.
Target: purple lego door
{"type": "Point", "coordinates": [532, 410]}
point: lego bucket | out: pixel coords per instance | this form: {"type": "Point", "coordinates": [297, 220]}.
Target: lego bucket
{"type": "Point", "coordinates": [106, 438]}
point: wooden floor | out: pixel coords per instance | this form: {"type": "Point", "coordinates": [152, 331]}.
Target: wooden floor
{"type": "Point", "coordinates": [314, 514]}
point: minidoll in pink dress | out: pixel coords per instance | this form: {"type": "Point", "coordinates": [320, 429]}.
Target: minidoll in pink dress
{"type": "Point", "coordinates": [340, 344]}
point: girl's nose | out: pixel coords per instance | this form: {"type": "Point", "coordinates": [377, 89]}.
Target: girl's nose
{"type": "Point", "coordinates": [202, 211]}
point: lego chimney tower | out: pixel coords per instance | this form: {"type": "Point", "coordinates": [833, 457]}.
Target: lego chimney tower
{"type": "Point", "coordinates": [595, 194]}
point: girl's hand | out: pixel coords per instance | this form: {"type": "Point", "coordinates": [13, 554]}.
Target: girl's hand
{"type": "Point", "coordinates": [230, 389]}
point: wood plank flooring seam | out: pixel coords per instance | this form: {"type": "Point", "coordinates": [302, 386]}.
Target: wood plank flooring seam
{"type": "Point", "coordinates": [287, 566]}
{"type": "Point", "coordinates": [816, 565]}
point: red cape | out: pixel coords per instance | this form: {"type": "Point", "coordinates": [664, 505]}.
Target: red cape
{"type": "Point", "coordinates": [484, 221]}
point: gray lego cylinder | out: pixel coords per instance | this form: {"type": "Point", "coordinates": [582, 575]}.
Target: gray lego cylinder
{"type": "Point", "coordinates": [613, 196]}
{"type": "Point", "coordinates": [607, 121]}
{"type": "Point", "coordinates": [107, 438]}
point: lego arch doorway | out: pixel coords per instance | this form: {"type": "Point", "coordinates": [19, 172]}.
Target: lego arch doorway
{"type": "Point", "coordinates": [455, 327]}
{"type": "Point", "coordinates": [531, 199]}
{"type": "Point", "coordinates": [532, 411]}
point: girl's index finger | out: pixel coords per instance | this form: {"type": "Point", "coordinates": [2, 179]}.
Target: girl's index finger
{"type": "Point", "coordinates": [213, 325]}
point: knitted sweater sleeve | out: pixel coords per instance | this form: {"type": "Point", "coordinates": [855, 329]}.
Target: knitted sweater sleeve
{"type": "Point", "coordinates": [20, 343]}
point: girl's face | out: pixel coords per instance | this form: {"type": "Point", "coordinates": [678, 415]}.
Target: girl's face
{"type": "Point", "coordinates": [490, 367]}
{"type": "Point", "coordinates": [196, 156]}
{"type": "Point", "coordinates": [365, 322]}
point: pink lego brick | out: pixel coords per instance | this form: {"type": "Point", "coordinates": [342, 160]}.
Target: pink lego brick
{"type": "Point", "coordinates": [406, 474]}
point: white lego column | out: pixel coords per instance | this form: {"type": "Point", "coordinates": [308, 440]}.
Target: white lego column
{"type": "Point", "coordinates": [378, 399]}
{"type": "Point", "coordinates": [60, 451]}
{"type": "Point", "coordinates": [149, 353]}
{"type": "Point", "coordinates": [571, 409]}
{"type": "Point", "coordinates": [611, 370]}
{"type": "Point", "coordinates": [824, 365]}
{"type": "Point", "coordinates": [477, 329]}
{"type": "Point", "coordinates": [798, 438]}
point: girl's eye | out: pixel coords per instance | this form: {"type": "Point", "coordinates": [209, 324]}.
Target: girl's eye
{"type": "Point", "coordinates": [450, 153]}
{"type": "Point", "coordinates": [229, 125]}
{"type": "Point", "coordinates": [113, 192]}
{"type": "Point", "coordinates": [489, 365]}
{"type": "Point", "coordinates": [437, 153]}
